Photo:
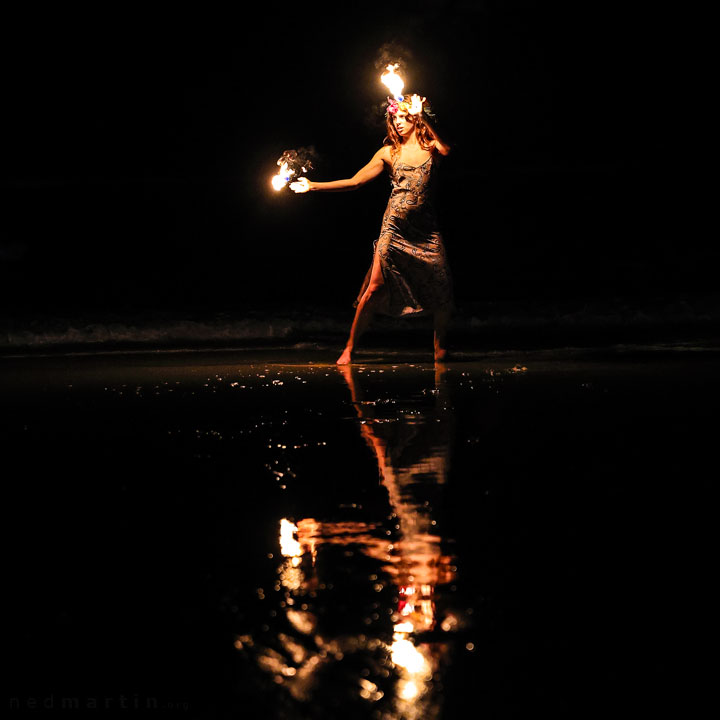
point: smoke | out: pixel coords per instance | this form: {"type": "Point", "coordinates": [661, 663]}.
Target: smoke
{"type": "Point", "coordinates": [300, 161]}
{"type": "Point", "coordinates": [394, 52]}
{"type": "Point", "coordinates": [375, 115]}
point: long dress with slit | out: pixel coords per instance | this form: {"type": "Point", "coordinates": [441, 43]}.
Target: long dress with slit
{"type": "Point", "coordinates": [410, 246]}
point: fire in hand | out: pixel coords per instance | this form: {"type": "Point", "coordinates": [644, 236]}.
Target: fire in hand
{"type": "Point", "coordinates": [280, 180]}
{"type": "Point", "coordinates": [301, 185]}
{"type": "Point", "coordinates": [293, 164]}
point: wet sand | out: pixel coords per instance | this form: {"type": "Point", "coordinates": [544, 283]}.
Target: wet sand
{"type": "Point", "coordinates": [518, 531]}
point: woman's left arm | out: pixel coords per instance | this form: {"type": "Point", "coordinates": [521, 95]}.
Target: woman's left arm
{"type": "Point", "coordinates": [361, 177]}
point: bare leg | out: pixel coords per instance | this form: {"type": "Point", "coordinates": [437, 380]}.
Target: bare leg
{"type": "Point", "coordinates": [364, 312]}
{"type": "Point", "coordinates": [441, 320]}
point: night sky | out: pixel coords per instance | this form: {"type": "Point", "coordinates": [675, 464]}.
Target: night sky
{"type": "Point", "coordinates": [139, 144]}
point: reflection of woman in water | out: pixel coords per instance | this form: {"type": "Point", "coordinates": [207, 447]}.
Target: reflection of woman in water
{"type": "Point", "coordinates": [413, 458]}
{"type": "Point", "coordinates": [373, 641]}
{"type": "Point", "coordinates": [409, 273]}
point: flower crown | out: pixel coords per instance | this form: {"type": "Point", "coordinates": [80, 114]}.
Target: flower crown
{"type": "Point", "coordinates": [410, 104]}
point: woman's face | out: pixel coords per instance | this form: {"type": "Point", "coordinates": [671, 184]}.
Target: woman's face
{"type": "Point", "coordinates": [403, 123]}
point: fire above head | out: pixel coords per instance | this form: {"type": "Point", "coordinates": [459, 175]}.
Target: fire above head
{"type": "Point", "coordinates": [393, 81]}
{"type": "Point", "coordinates": [409, 104]}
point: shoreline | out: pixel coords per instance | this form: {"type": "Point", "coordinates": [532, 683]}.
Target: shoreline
{"type": "Point", "coordinates": [476, 326]}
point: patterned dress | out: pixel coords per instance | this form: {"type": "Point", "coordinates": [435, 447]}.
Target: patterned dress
{"type": "Point", "coordinates": [410, 247]}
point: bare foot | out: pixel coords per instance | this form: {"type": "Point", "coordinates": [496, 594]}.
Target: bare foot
{"type": "Point", "coordinates": [345, 358]}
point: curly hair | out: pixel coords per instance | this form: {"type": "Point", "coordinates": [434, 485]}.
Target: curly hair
{"type": "Point", "coordinates": [421, 131]}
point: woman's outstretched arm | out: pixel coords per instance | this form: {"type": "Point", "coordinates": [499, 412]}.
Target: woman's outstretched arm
{"type": "Point", "coordinates": [362, 176]}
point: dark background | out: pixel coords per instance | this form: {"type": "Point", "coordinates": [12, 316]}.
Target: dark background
{"type": "Point", "coordinates": [139, 144]}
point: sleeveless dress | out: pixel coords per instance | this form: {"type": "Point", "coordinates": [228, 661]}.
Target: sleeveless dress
{"type": "Point", "coordinates": [410, 247]}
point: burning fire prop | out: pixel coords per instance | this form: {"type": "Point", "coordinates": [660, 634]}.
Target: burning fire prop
{"type": "Point", "coordinates": [392, 81]}
{"type": "Point", "coordinates": [412, 104]}
{"type": "Point", "coordinates": [293, 165]}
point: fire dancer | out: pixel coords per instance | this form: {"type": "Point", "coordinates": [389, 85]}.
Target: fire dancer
{"type": "Point", "coordinates": [409, 274]}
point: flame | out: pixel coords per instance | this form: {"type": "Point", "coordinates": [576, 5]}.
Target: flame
{"type": "Point", "coordinates": [280, 180]}
{"type": "Point", "coordinates": [393, 81]}
{"type": "Point", "coordinates": [416, 104]}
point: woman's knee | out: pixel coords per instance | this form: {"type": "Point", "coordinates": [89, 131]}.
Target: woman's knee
{"type": "Point", "coordinates": [372, 292]}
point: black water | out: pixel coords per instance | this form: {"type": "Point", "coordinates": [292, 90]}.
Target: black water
{"type": "Point", "coordinates": [541, 519]}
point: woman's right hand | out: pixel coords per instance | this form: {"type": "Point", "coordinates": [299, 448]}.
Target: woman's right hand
{"type": "Point", "coordinates": [301, 185]}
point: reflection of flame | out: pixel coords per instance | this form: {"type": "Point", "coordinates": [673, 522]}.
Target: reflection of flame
{"type": "Point", "coordinates": [404, 627]}
{"type": "Point", "coordinates": [408, 690]}
{"type": "Point", "coordinates": [392, 80]}
{"type": "Point", "coordinates": [289, 546]}
{"type": "Point", "coordinates": [415, 667]}
{"type": "Point", "coordinates": [291, 577]}
{"type": "Point", "coordinates": [416, 609]}
{"type": "Point", "coordinates": [407, 656]}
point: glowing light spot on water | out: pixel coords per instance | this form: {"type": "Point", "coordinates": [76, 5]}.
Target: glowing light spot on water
{"type": "Point", "coordinates": [369, 691]}
{"type": "Point", "coordinates": [408, 690]}
{"type": "Point", "coordinates": [406, 655]}
{"type": "Point", "coordinates": [470, 647]}
{"type": "Point", "coordinates": [289, 546]}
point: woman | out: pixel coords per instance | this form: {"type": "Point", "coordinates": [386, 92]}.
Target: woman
{"type": "Point", "coordinates": [409, 273]}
